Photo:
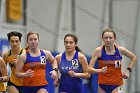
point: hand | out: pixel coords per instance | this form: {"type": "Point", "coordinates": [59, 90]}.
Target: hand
{"type": "Point", "coordinates": [56, 82]}
{"type": "Point", "coordinates": [126, 74]}
{"type": "Point", "coordinates": [29, 73]}
{"type": "Point", "coordinates": [72, 73]}
{"type": "Point", "coordinates": [54, 74]}
{"type": "Point", "coordinates": [104, 69]}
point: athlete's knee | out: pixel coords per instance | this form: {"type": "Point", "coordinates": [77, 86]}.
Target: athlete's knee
{"type": "Point", "coordinates": [42, 91]}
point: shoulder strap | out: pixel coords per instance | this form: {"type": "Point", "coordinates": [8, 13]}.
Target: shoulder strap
{"type": "Point", "coordinates": [10, 53]}
{"type": "Point", "coordinates": [21, 51]}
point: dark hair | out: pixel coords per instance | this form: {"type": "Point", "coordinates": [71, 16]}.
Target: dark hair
{"type": "Point", "coordinates": [109, 30]}
{"type": "Point", "coordinates": [26, 48]}
{"type": "Point", "coordinates": [30, 33]}
{"type": "Point", "coordinates": [75, 40]}
{"type": "Point", "coordinates": [14, 33]}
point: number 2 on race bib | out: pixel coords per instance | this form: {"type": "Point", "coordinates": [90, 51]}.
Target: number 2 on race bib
{"type": "Point", "coordinates": [75, 63]}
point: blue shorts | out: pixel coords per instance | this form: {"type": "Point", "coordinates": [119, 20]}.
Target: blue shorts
{"type": "Point", "coordinates": [108, 88]}
{"type": "Point", "coordinates": [34, 89]}
{"type": "Point", "coordinates": [72, 89]}
{"type": "Point", "coordinates": [19, 88]}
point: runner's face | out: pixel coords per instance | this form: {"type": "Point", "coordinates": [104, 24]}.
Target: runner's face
{"type": "Point", "coordinates": [33, 41]}
{"type": "Point", "coordinates": [108, 38]}
{"type": "Point", "coordinates": [69, 44]}
{"type": "Point", "coordinates": [14, 42]}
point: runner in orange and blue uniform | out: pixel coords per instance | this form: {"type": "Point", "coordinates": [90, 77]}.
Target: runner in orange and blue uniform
{"type": "Point", "coordinates": [38, 65]}
{"type": "Point", "coordinates": [31, 66]}
{"type": "Point", "coordinates": [14, 85]}
{"type": "Point", "coordinates": [109, 58]}
{"type": "Point", "coordinates": [113, 64]}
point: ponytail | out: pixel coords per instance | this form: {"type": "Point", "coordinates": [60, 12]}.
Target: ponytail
{"type": "Point", "coordinates": [26, 48]}
{"type": "Point", "coordinates": [78, 49]}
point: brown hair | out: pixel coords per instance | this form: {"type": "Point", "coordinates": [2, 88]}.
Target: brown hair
{"type": "Point", "coordinates": [75, 40]}
{"type": "Point", "coordinates": [30, 33]}
{"type": "Point", "coordinates": [109, 30]}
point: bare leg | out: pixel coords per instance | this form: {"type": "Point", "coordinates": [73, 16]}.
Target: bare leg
{"type": "Point", "coordinates": [12, 89]}
{"type": "Point", "coordinates": [117, 90]}
{"type": "Point", "coordinates": [100, 90]}
{"type": "Point", "coordinates": [42, 91]}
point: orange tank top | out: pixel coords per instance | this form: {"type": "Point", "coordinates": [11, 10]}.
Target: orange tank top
{"type": "Point", "coordinates": [38, 65]}
{"type": "Point", "coordinates": [113, 75]}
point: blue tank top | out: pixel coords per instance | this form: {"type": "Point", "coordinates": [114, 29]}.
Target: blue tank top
{"type": "Point", "coordinates": [41, 58]}
{"type": "Point", "coordinates": [67, 83]}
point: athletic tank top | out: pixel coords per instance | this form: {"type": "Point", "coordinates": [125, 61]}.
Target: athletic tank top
{"type": "Point", "coordinates": [10, 59]}
{"type": "Point", "coordinates": [113, 75]}
{"type": "Point", "coordinates": [66, 80]}
{"type": "Point", "coordinates": [2, 86]}
{"type": "Point", "coordinates": [38, 65]}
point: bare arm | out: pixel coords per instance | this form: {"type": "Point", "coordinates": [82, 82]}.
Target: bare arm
{"type": "Point", "coordinates": [133, 60]}
{"type": "Point", "coordinates": [53, 62]}
{"type": "Point", "coordinates": [3, 71]}
{"type": "Point", "coordinates": [19, 68]}
{"type": "Point", "coordinates": [58, 58]}
{"type": "Point", "coordinates": [96, 54]}
{"type": "Point", "coordinates": [84, 64]}
{"type": "Point", "coordinates": [51, 59]}
{"type": "Point", "coordinates": [5, 55]}
{"type": "Point", "coordinates": [130, 55]}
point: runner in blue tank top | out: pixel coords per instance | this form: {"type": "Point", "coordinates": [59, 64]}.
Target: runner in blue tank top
{"type": "Point", "coordinates": [73, 66]}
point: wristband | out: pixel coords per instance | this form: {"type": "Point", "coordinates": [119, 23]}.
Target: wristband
{"type": "Point", "coordinates": [56, 69]}
{"type": "Point", "coordinates": [129, 69]}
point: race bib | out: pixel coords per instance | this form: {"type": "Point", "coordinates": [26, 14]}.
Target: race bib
{"type": "Point", "coordinates": [117, 64]}
{"type": "Point", "coordinates": [43, 59]}
{"type": "Point", "coordinates": [75, 63]}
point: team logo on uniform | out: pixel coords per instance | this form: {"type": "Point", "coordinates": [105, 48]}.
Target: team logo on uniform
{"type": "Point", "coordinates": [43, 59]}
{"type": "Point", "coordinates": [75, 63]}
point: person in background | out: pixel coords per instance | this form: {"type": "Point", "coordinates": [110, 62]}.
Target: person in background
{"type": "Point", "coordinates": [31, 66]}
{"type": "Point", "coordinates": [3, 76]}
{"type": "Point", "coordinates": [72, 66]}
{"type": "Point", "coordinates": [14, 85]}
{"type": "Point", "coordinates": [109, 58]}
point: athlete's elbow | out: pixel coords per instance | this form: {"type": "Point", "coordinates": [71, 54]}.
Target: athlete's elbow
{"type": "Point", "coordinates": [136, 58]}
{"type": "Point", "coordinates": [90, 70]}
{"type": "Point", "coordinates": [17, 74]}
{"type": "Point", "coordinates": [5, 78]}
{"type": "Point", "coordinates": [87, 75]}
